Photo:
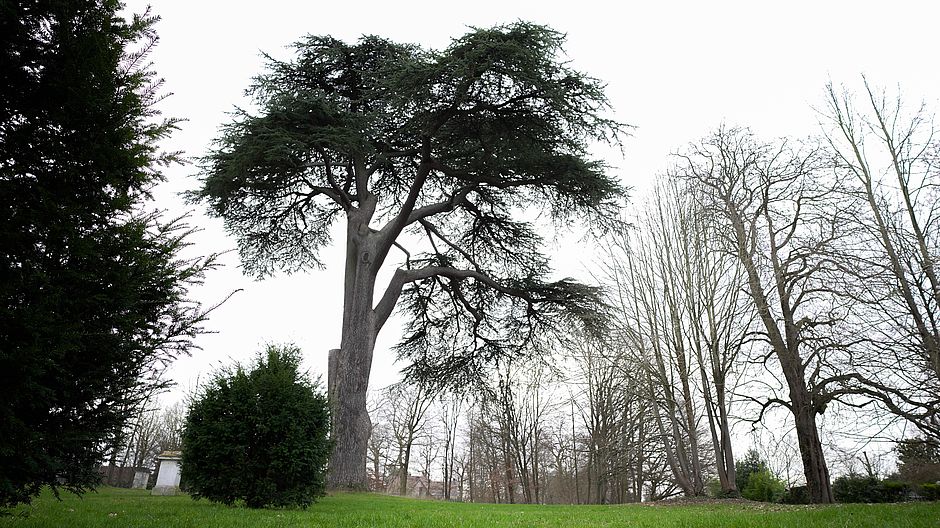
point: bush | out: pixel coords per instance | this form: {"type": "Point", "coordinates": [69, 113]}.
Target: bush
{"type": "Point", "coordinates": [713, 488]}
{"type": "Point", "coordinates": [795, 495]}
{"type": "Point", "coordinates": [894, 491]}
{"type": "Point", "coordinates": [854, 488]}
{"type": "Point", "coordinates": [763, 486]}
{"type": "Point", "coordinates": [751, 463]}
{"type": "Point", "coordinates": [929, 491]}
{"type": "Point", "coordinates": [258, 436]}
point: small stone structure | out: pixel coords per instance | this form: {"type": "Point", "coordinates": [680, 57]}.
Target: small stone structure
{"type": "Point", "coordinates": [124, 477]}
{"type": "Point", "coordinates": [141, 476]}
{"type": "Point", "coordinates": [168, 473]}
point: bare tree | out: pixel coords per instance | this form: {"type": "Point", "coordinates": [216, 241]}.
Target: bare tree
{"type": "Point", "coordinates": [381, 442]}
{"type": "Point", "coordinates": [429, 449]}
{"type": "Point", "coordinates": [407, 412]}
{"type": "Point", "coordinates": [890, 153]}
{"type": "Point", "coordinates": [720, 319]}
{"type": "Point", "coordinates": [153, 431]}
{"type": "Point", "coordinates": [779, 216]}
{"type": "Point", "coordinates": [451, 407]}
{"type": "Point", "coordinates": [604, 396]}
{"type": "Point", "coordinates": [651, 275]}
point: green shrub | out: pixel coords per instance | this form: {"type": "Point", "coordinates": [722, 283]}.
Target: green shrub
{"type": "Point", "coordinates": [259, 435]}
{"type": "Point", "coordinates": [713, 488]}
{"type": "Point", "coordinates": [855, 488]}
{"type": "Point", "coordinates": [751, 463]}
{"type": "Point", "coordinates": [894, 491]}
{"type": "Point", "coordinates": [930, 491]}
{"type": "Point", "coordinates": [795, 495]}
{"type": "Point", "coordinates": [763, 486]}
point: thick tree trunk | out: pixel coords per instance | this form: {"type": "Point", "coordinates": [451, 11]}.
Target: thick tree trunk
{"type": "Point", "coordinates": [351, 364]}
{"type": "Point", "coordinates": [350, 419]}
{"type": "Point", "coordinates": [814, 461]}
{"type": "Point", "coordinates": [786, 348]}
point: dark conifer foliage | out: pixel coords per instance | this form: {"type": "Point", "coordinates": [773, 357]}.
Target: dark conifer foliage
{"type": "Point", "coordinates": [442, 157]}
{"type": "Point", "coordinates": [92, 286]}
{"type": "Point", "coordinates": [258, 435]}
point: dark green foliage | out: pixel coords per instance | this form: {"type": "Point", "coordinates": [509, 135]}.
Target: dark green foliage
{"type": "Point", "coordinates": [918, 460]}
{"type": "Point", "coordinates": [751, 463]}
{"type": "Point", "coordinates": [795, 495]}
{"type": "Point", "coordinates": [258, 435]}
{"type": "Point", "coordinates": [92, 292]}
{"type": "Point", "coordinates": [855, 488]}
{"type": "Point", "coordinates": [894, 491]}
{"type": "Point", "coordinates": [447, 146]}
{"type": "Point", "coordinates": [763, 486]}
{"type": "Point", "coordinates": [929, 491]}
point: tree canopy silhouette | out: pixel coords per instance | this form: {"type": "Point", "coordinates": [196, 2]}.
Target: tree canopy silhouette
{"type": "Point", "coordinates": [441, 154]}
{"type": "Point", "coordinates": [93, 290]}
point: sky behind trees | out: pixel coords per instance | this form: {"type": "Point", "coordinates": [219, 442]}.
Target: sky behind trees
{"type": "Point", "coordinates": [673, 70]}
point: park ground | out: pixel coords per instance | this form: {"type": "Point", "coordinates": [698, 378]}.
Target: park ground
{"type": "Point", "coordinates": [110, 507]}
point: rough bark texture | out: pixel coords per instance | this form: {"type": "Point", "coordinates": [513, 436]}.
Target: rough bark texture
{"type": "Point", "coordinates": [814, 462]}
{"type": "Point", "coordinates": [351, 364]}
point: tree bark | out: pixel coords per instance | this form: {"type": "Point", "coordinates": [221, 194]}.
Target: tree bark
{"type": "Point", "coordinates": [814, 461]}
{"type": "Point", "coordinates": [351, 364]}
{"type": "Point", "coordinates": [403, 470]}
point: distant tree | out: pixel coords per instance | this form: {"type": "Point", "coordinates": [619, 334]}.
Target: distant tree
{"type": "Point", "coordinates": [381, 438]}
{"type": "Point", "coordinates": [751, 463]}
{"type": "Point", "coordinates": [407, 412]}
{"type": "Point", "coordinates": [605, 395]}
{"type": "Point", "coordinates": [437, 153]}
{"type": "Point", "coordinates": [681, 313]}
{"type": "Point", "coordinates": [451, 407]}
{"type": "Point", "coordinates": [258, 435]}
{"type": "Point", "coordinates": [92, 286]}
{"type": "Point", "coordinates": [151, 432]}
{"type": "Point", "coordinates": [918, 460]}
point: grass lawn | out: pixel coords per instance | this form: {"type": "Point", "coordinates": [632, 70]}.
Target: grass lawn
{"type": "Point", "coordinates": [135, 508]}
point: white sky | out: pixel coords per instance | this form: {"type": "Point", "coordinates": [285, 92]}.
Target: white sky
{"type": "Point", "coordinates": [675, 70]}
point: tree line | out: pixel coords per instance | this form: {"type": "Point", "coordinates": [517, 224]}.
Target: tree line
{"type": "Point", "coordinates": [759, 274]}
{"type": "Point", "coordinates": [756, 274]}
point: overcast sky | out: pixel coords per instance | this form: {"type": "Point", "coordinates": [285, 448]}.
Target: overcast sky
{"type": "Point", "coordinates": [674, 70]}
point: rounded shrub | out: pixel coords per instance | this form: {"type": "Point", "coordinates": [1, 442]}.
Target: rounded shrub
{"type": "Point", "coordinates": [763, 486]}
{"type": "Point", "coordinates": [258, 435]}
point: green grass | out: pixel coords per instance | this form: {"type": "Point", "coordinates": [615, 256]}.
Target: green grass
{"type": "Point", "coordinates": [111, 507]}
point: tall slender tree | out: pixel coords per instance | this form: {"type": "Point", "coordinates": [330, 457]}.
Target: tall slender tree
{"type": "Point", "coordinates": [92, 288]}
{"type": "Point", "coordinates": [780, 218]}
{"type": "Point", "coordinates": [890, 153]}
{"type": "Point", "coordinates": [437, 153]}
